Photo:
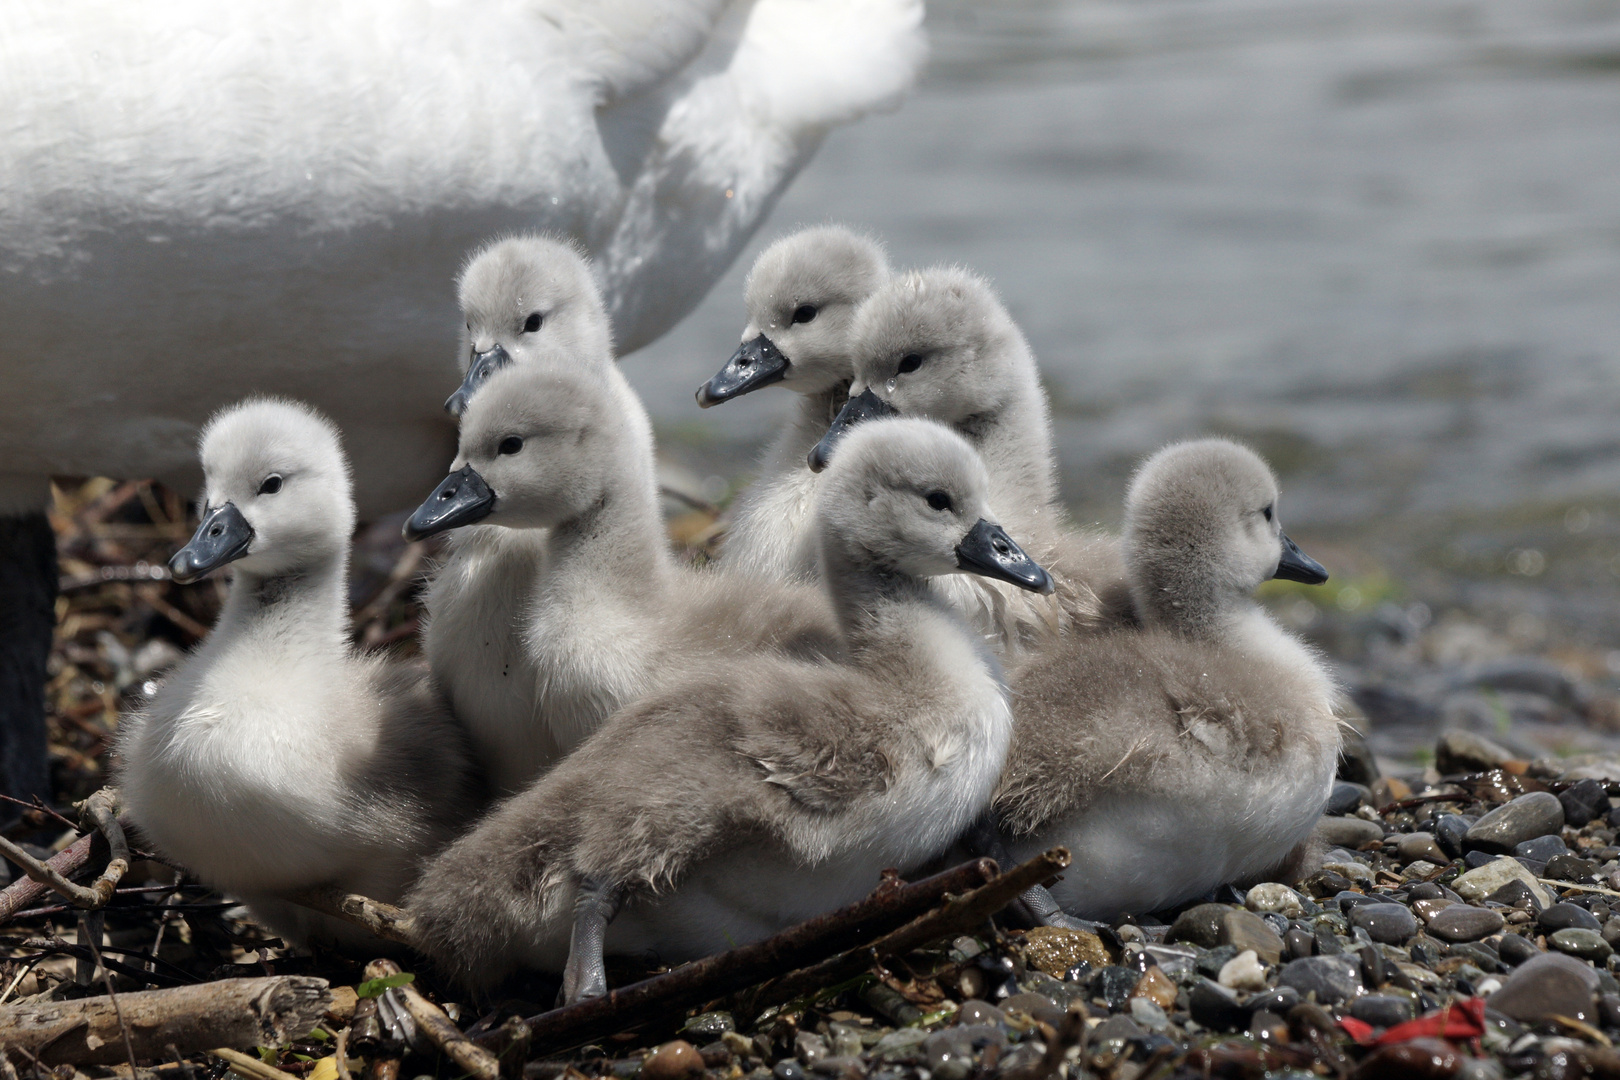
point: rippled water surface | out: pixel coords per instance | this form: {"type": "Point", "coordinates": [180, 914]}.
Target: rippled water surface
{"type": "Point", "coordinates": [1380, 240]}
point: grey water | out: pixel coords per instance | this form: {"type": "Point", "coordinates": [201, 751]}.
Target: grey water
{"type": "Point", "coordinates": [1378, 239]}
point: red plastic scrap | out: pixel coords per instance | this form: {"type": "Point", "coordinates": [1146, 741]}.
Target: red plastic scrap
{"type": "Point", "coordinates": [1359, 1030]}
{"type": "Point", "coordinates": [1460, 1020]}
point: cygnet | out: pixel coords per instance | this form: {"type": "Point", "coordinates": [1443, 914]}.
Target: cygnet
{"type": "Point", "coordinates": [801, 297]}
{"type": "Point", "coordinates": [1198, 748]}
{"type": "Point", "coordinates": [754, 794]}
{"type": "Point", "coordinates": [938, 343]}
{"type": "Point", "coordinates": [276, 758]}
{"type": "Point", "coordinates": [562, 450]}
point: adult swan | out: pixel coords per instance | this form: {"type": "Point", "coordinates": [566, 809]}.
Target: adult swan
{"type": "Point", "coordinates": [200, 200]}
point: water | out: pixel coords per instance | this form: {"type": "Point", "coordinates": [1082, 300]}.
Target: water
{"type": "Point", "coordinates": [1379, 240]}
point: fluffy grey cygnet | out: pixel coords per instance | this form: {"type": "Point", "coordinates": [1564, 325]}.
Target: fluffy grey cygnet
{"type": "Point", "coordinates": [522, 298]}
{"type": "Point", "coordinates": [1198, 748]}
{"type": "Point", "coordinates": [938, 343]}
{"type": "Point", "coordinates": [753, 794]}
{"type": "Point", "coordinates": [521, 291]}
{"type": "Point", "coordinates": [801, 296]}
{"type": "Point", "coordinates": [561, 449]}
{"type": "Point", "coordinates": [275, 757]}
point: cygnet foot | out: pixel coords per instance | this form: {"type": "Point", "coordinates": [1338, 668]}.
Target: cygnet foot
{"type": "Point", "coordinates": [585, 975]}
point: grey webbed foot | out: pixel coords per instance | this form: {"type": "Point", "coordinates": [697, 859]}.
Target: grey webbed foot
{"type": "Point", "coordinates": [585, 975]}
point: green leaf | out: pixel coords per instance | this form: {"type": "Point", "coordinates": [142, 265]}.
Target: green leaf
{"type": "Point", "coordinates": [267, 1055]}
{"type": "Point", "coordinates": [374, 987]}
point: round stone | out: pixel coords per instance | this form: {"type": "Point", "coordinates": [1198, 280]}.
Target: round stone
{"type": "Point", "coordinates": [1331, 978]}
{"type": "Point", "coordinates": [1271, 896]}
{"type": "Point", "coordinates": [677, 1059]}
{"type": "Point", "coordinates": [1246, 931]}
{"type": "Point", "coordinates": [1583, 802]}
{"type": "Point", "coordinates": [1586, 944]}
{"type": "Point", "coordinates": [1565, 916]}
{"type": "Point", "coordinates": [1382, 1010]}
{"type": "Point", "coordinates": [1549, 984]}
{"type": "Point", "coordinates": [1460, 922]}
{"type": "Point", "coordinates": [1388, 924]}
{"type": "Point", "coordinates": [1515, 949]}
{"type": "Point", "coordinates": [1346, 797]}
{"type": "Point", "coordinates": [1350, 832]}
{"type": "Point", "coordinates": [786, 1069]}
{"type": "Point", "coordinates": [974, 1011]}
{"type": "Point", "coordinates": [1420, 847]}
{"type": "Point", "coordinates": [1525, 818]}
{"type": "Point", "coordinates": [1243, 972]}
{"type": "Point", "coordinates": [1035, 1006]}
{"type": "Point", "coordinates": [1449, 830]}
{"type": "Point", "coordinates": [1199, 926]}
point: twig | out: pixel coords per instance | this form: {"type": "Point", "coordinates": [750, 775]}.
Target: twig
{"type": "Point", "coordinates": [693, 984]}
{"type": "Point", "coordinates": [384, 920]}
{"type": "Point", "coordinates": [101, 810]}
{"type": "Point", "coordinates": [47, 875]}
{"type": "Point", "coordinates": [35, 804]}
{"type": "Point", "coordinates": [341, 1046]}
{"type": "Point", "coordinates": [442, 1030]}
{"type": "Point", "coordinates": [106, 976]}
{"type": "Point", "coordinates": [250, 1067]}
{"type": "Point", "coordinates": [1068, 1036]}
{"type": "Point", "coordinates": [958, 914]}
{"type": "Point", "coordinates": [24, 894]}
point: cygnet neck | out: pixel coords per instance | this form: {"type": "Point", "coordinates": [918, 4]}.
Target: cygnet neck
{"type": "Point", "coordinates": [615, 544]}
{"type": "Point", "coordinates": [311, 601]}
{"type": "Point", "coordinates": [1192, 603]}
{"type": "Point", "coordinates": [865, 595]}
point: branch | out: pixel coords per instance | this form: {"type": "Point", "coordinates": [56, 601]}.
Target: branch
{"type": "Point", "coordinates": [890, 905]}
{"type": "Point", "coordinates": [432, 1022]}
{"type": "Point", "coordinates": [21, 895]}
{"type": "Point", "coordinates": [384, 920]}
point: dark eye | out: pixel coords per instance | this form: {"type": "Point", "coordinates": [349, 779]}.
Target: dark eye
{"type": "Point", "coordinates": [510, 445]}
{"type": "Point", "coordinates": [939, 500]}
{"type": "Point", "coordinates": [271, 485]}
{"type": "Point", "coordinates": [910, 362]}
{"type": "Point", "coordinates": [532, 323]}
{"type": "Point", "coordinates": [1267, 512]}
{"type": "Point", "coordinates": [804, 313]}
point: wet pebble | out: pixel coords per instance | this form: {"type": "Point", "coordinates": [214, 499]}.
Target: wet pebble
{"type": "Point", "coordinates": [1348, 832]}
{"type": "Point", "coordinates": [1248, 932]}
{"type": "Point", "coordinates": [1420, 847]}
{"type": "Point", "coordinates": [1346, 797]}
{"type": "Point", "coordinates": [1564, 916]}
{"type": "Point", "coordinates": [1449, 830]}
{"type": "Point", "coordinates": [1149, 1014]}
{"type": "Point", "coordinates": [1583, 802]}
{"type": "Point", "coordinates": [974, 1011]}
{"type": "Point", "coordinates": [1330, 978]}
{"type": "Point", "coordinates": [1460, 922]}
{"type": "Point", "coordinates": [1054, 949]}
{"type": "Point", "coordinates": [1199, 925]}
{"type": "Point", "coordinates": [1243, 972]}
{"type": "Point", "coordinates": [1419, 1059]}
{"type": "Point", "coordinates": [1550, 984]}
{"type": "Point", "coordinates": [1586, 944]}
{"type": "Point", "coordinates": [1274, 897]}
{"type": "Point", "coordinates": [678, 1059]}
{"type": "Point", "coordinates": [1541, 848]}
{"type": "Point", "coordinates": [1215, 1007]}
{"type": "Point", "coordinates": [1114, 985]}
{"type": "Point", "coordinates": [1484, 880]}
{"type": "Point", "coordinates": [1524, 818]}
{"type": "Point", "coordinates": [1300, 943]}
{"type": "Point", "coordinates": [1389, 924]}
{"type": "Point", "coordinates": [1156, 987]}
{"type": "Point", "coordinates": [786, 1069]}
{"type": "Point", "coordinates": [1515, 949]}
{"type": "Point", "coordinates": [1037, 1007]}
{"type": "Point", "coordinates": [1382, 1010]}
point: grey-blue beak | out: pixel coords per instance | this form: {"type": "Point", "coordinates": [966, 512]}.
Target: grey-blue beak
{"type": "Point", "coordinates": [988, 550]}
{"type": "Point", "coordinates": [222, 537]}
{"type": "Point", "coordinates": [756, 363]}
{"type": "Point", "coordinates": [1295, 565]}
{"type": "Point", "coordinates": [461, 498]}
{"type": "Point", "coordinates": [867, 406]}
{"type": "Point", "coordinates": [483, 365]}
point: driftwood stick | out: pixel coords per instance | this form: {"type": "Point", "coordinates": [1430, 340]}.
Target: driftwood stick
{"type": "Point", "coordinates": [432, 1022]}
{"type": "Point", "coordinates": [384, 920]}
{"type": "Point", "coordinates": [230, 1013]}
{"type": "Point", "coordinates": [250, 1066]}
{"type": "Point", "coordinates": [21, 895]}
{"type": "Point", "coordinates": [890, 905]}
{"type": "Point", "coordinates": [956, 915]}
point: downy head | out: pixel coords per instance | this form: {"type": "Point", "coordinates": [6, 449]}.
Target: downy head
{"type": "Point", "coordinates": [909, 497]}
{"type": "Point", "coordinates": [518, 295]}
{"type": "Point", "coordinates": [1202, 532]}
{"type": "Point", "coordinates": [276, 496]}
{"type": "Point", "coordinates": [938, 344]}
{"type": "Point", "coordinates": [540, 445]}
{"type": "Point", "coordinates": [801, 296]}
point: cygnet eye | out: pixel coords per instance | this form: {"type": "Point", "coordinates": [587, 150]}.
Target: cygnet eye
{"type": "Point", "coordinates": [804, 313]}
{"type": "Point", "coordinates": [939, 500]}
{"type": "Point", "coordinates": [1267, 511]}
{"type": "Point", "coordinates": [910, 362]}
{"type": "Point", "coordinates": [510, 445]}
{"type": "Point", "coordinates": [532, 323]}
{"type": "Point", "coordinates": [271, 484]}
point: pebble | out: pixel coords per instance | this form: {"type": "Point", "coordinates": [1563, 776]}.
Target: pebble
{"type": "Point", "coordinates": [902, 1044]}
{"type": "Point", "coordinates": [1550, 984]}
{"type": "Point", "coordinates": [1114, 985]}
{"type": "Point", "coordinates": [1300, 943]}
{"type": "Point", "coordinates": [1449, 830]}
{"type": "Point", "coordinates": [1420, 846]}
{"type": "Point", "coordinates": [1461, 751]}
{"type": "Point", "coordinates": [1330, 978]}
{"type": "Point", "coordinates": [1541, 848]}
{"type": "Point", "coordinates": [1200, 926]}
{"type": "Point", "coordinates": [1248, 932]}
{"type": "Point", "coordinates": [1583, 802]}
{"type": "Point", "coordinates": [1216, 1007]}
{"type": "Point", "coordinates": [786, 1069]}
{"type": "Point", "coordinates": [809, 1047]}
{"type": "Point", "coordinates": [1271, 896]}
{"type": "Point", "coordinates": [1346, 798]}
{"type": "Point", "coordinates": [1388, 924]}
{"type": "Point", "coordinates": [1419, 1058]}
{"type": "Point", "coordinates": [1382, 1010]}
{"type": "Point", "coordinates": [677, 1058]}
{"type": "Point", "coordinates": [1479, 883]}
{"type": "Point", "coordinates": [1429, 907]}
{"type": "Point", "coordinates": [1055, 949]}
{"type": "Point", "coordinates": [1036, 1007]}
{"type": "Point", "coordinates": [1460, 922]}
{"type": "Point", "coordinates": [1149, 1014]}
{"type": "Point", "coordinates": [1515, 949]}
{"type": "Point", "coordinates": [1570, 868]}
{"type": "Point", "coordinates": [1243, 972]}
{"type": "Point", "coordinates": [974, 1011]}
{"type": "Point", "coordinates": [1611, 930]}
{"type": "Point", "coordinates": [1156, 987]}
{"type": "Point", "coordinates": [1421, 870]}
{"type": "Point", "coordinates": [1347, 832]}
{"type": "Point", "coordinates": [709, 1025]}
{"type": "Point", "coordinates": [1515, 894]}
{"type": "Point", "coordinates": [1564, 916]}
{"type": "Point", "coordinates": [1116, 1027]}
{"type": "Point", "coordinates": [948, 1054]}
{"type": "Point", "coordinates": [1586, 944]}
{"type": "Point", "coordinates": [1525, 818]}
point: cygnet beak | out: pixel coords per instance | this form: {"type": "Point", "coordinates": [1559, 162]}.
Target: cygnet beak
{"type": "Point", "coordinates": [460, 499]}
{"type": "Point", "coordinates": [756, 363]}
{"type": "Point", "coordinates": [483, 365]}
{"type": "Point", "coordinates": [1295, 565]}
{"type": "Point", "coordinates": [222, 537]}
{"type": "Point", "coordinates": [867, 406]}
{"type": "Point", "coordinates": [988, 550]}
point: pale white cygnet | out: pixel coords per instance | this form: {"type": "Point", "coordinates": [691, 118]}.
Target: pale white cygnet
{"type": "Point", "coordinates": [1199, 747]}
{"type": "Point", "coordinates": [275, 758]}
{"type": "Point", "coordinates": [801, 297]}
{"type": "Point", "coordinates": [938, 343]}
{"type": "Point", "coordinates": [562, 451]}
{"type": "Point", "coordinates": [759, 792]}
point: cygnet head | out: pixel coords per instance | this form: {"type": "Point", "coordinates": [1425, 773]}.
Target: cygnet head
{"type": "Point", "coordinates": [935, 343]}
{"type": "Point", "coordinates": [911, 497]}
{"type": "Point", "coordinates": [538, 447]}
{"type": "Point", "coordinates": [801, 295]}
{"type": "Point", "coordinates": [1202, 532]}
{"type": "Point", "coordinates": [276, 496]}
{"type": "Point", "coordinates": [518, 294]}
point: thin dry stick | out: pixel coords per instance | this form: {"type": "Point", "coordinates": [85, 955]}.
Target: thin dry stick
{"type": "Point", "coordinates": [1069, 1034]}
{"type": "Point", "coordinates": [250, 1067]}
{"type": "Point", "coordinates": [341, 1045]}
{"type": "Point", "coordinates": [47, 875]}
{"type": "Point", "coordinates": [101, 808]}
{"type": "Point", "coordinates": [433, 1023]}
{"type": "Point", "coordinates": [112, 995]}
{"type": "Point", "coordinates": [384, 920]}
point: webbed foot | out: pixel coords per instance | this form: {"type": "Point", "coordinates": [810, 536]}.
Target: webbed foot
{"type": "Point", "coordinates": [585, 974]}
